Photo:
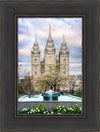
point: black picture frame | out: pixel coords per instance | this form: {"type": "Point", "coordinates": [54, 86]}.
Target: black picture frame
{"type": "Point", "coordinates": [89, 121]}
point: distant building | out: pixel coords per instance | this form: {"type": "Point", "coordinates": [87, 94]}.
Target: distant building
{"type": "Point", "coordinates": [39, 67]}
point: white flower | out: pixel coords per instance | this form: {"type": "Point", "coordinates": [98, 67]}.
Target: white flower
{"type": "Point", "coordinates": [24, 109]}
{"type": "Point", "coordinates": [32, 110]}
{"type": "Point", "coordinates": [44, 112]}
{"type": "Point", "coordinates": [65, 110]}
{"type": "Point", "coordinates": [38, 110]}
{"type": "Point", "coordinates": [51, 112]}
{"type": "Point", "coordinates": [70, 108]}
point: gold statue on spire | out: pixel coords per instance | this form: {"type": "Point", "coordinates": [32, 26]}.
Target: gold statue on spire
{"type": "Point", "coordinates": [49, 25]}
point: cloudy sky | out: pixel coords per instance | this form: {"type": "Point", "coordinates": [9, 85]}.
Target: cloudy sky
{"type": "Point", "coordinates": [70, 27]}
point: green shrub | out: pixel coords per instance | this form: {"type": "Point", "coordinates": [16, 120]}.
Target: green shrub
{"type": "Point", "coordinates": [60, 110]}
{"type": "Point", "coordinates": [24, 111]}
{"type": "Point", "coordinates": [74, 110]}
{"type": "Point", "coordinates": [65, 110]}
{"type": "Point", "coordinates": [40, 109]}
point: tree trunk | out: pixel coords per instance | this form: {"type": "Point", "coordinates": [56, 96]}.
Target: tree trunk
{"type": "Point", "coordinates": [54, 88]}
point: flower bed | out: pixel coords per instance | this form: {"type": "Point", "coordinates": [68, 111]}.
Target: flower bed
{"type": "Point", "coordinates": [41, 109]}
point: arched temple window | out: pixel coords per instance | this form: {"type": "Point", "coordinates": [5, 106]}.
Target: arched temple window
{"type": "Point", "coordinates": [49, 59]}
{"type": "Point", "coordinates": [35, 60]}
{"type": "Point", "coordinates": [35, 73]}
{"type": "Point", "coordinates": [64, 61]}
{"type": "Point", "coordinates": [64, 67]}
{"type": "Point", "coordinates": [35, 67]}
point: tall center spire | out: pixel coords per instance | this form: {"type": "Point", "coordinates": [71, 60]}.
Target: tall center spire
{"type": "Point", "coordinates": [64, 39]}
{"type": "Point", "coordinates": [49, 44]}
{"type": "Point", "coordinates": [49, 37]}
{"type": "Point", "coordinates": [35, 38]}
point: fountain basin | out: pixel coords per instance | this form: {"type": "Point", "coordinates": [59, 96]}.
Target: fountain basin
{"type": "Point", "coordinates": [66, 100]}
{"type": "Point", "coordinates": [50, 95]}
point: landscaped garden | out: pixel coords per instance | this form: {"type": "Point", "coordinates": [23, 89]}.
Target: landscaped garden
{"type": "Point", "coordinates": [41, 109]}
{"type": "Point", "coordinates": [48, 89]}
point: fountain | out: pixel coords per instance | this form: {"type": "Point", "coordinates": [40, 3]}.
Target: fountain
{"type": "Point", "coordinates": [47, 99]}
{"type": "Point", "coordinates": [50, 95]}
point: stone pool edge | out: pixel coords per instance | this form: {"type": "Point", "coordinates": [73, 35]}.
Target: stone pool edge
{"type": "Point", "coordinates": [48, 105]}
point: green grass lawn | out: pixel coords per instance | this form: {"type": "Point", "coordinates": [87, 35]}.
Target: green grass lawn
{"type": "Point", "coordinates": [78, 95]}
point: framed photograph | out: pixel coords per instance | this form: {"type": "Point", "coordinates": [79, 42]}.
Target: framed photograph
{"type": "Point", "coordinates": [49, 69]}
{"type": "Point", "coordinates": [50, 73]}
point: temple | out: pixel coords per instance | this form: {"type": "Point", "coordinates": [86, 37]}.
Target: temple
{"type": "Point", "coordinates": [39, 66]}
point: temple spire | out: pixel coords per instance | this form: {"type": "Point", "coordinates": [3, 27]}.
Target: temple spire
{"type": "Point", "coordinates": [63, 45]}
{"type": "Point", "coordinates": [36, 46]}
{"type": "Point", "coordinates": [35, 38]}
{"type": "Point", "coordinates": [49, 44]}
{"type": "Point", "coordinates": [49, 37]}
{"type": "Point", "coordinates": [64, 39]}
